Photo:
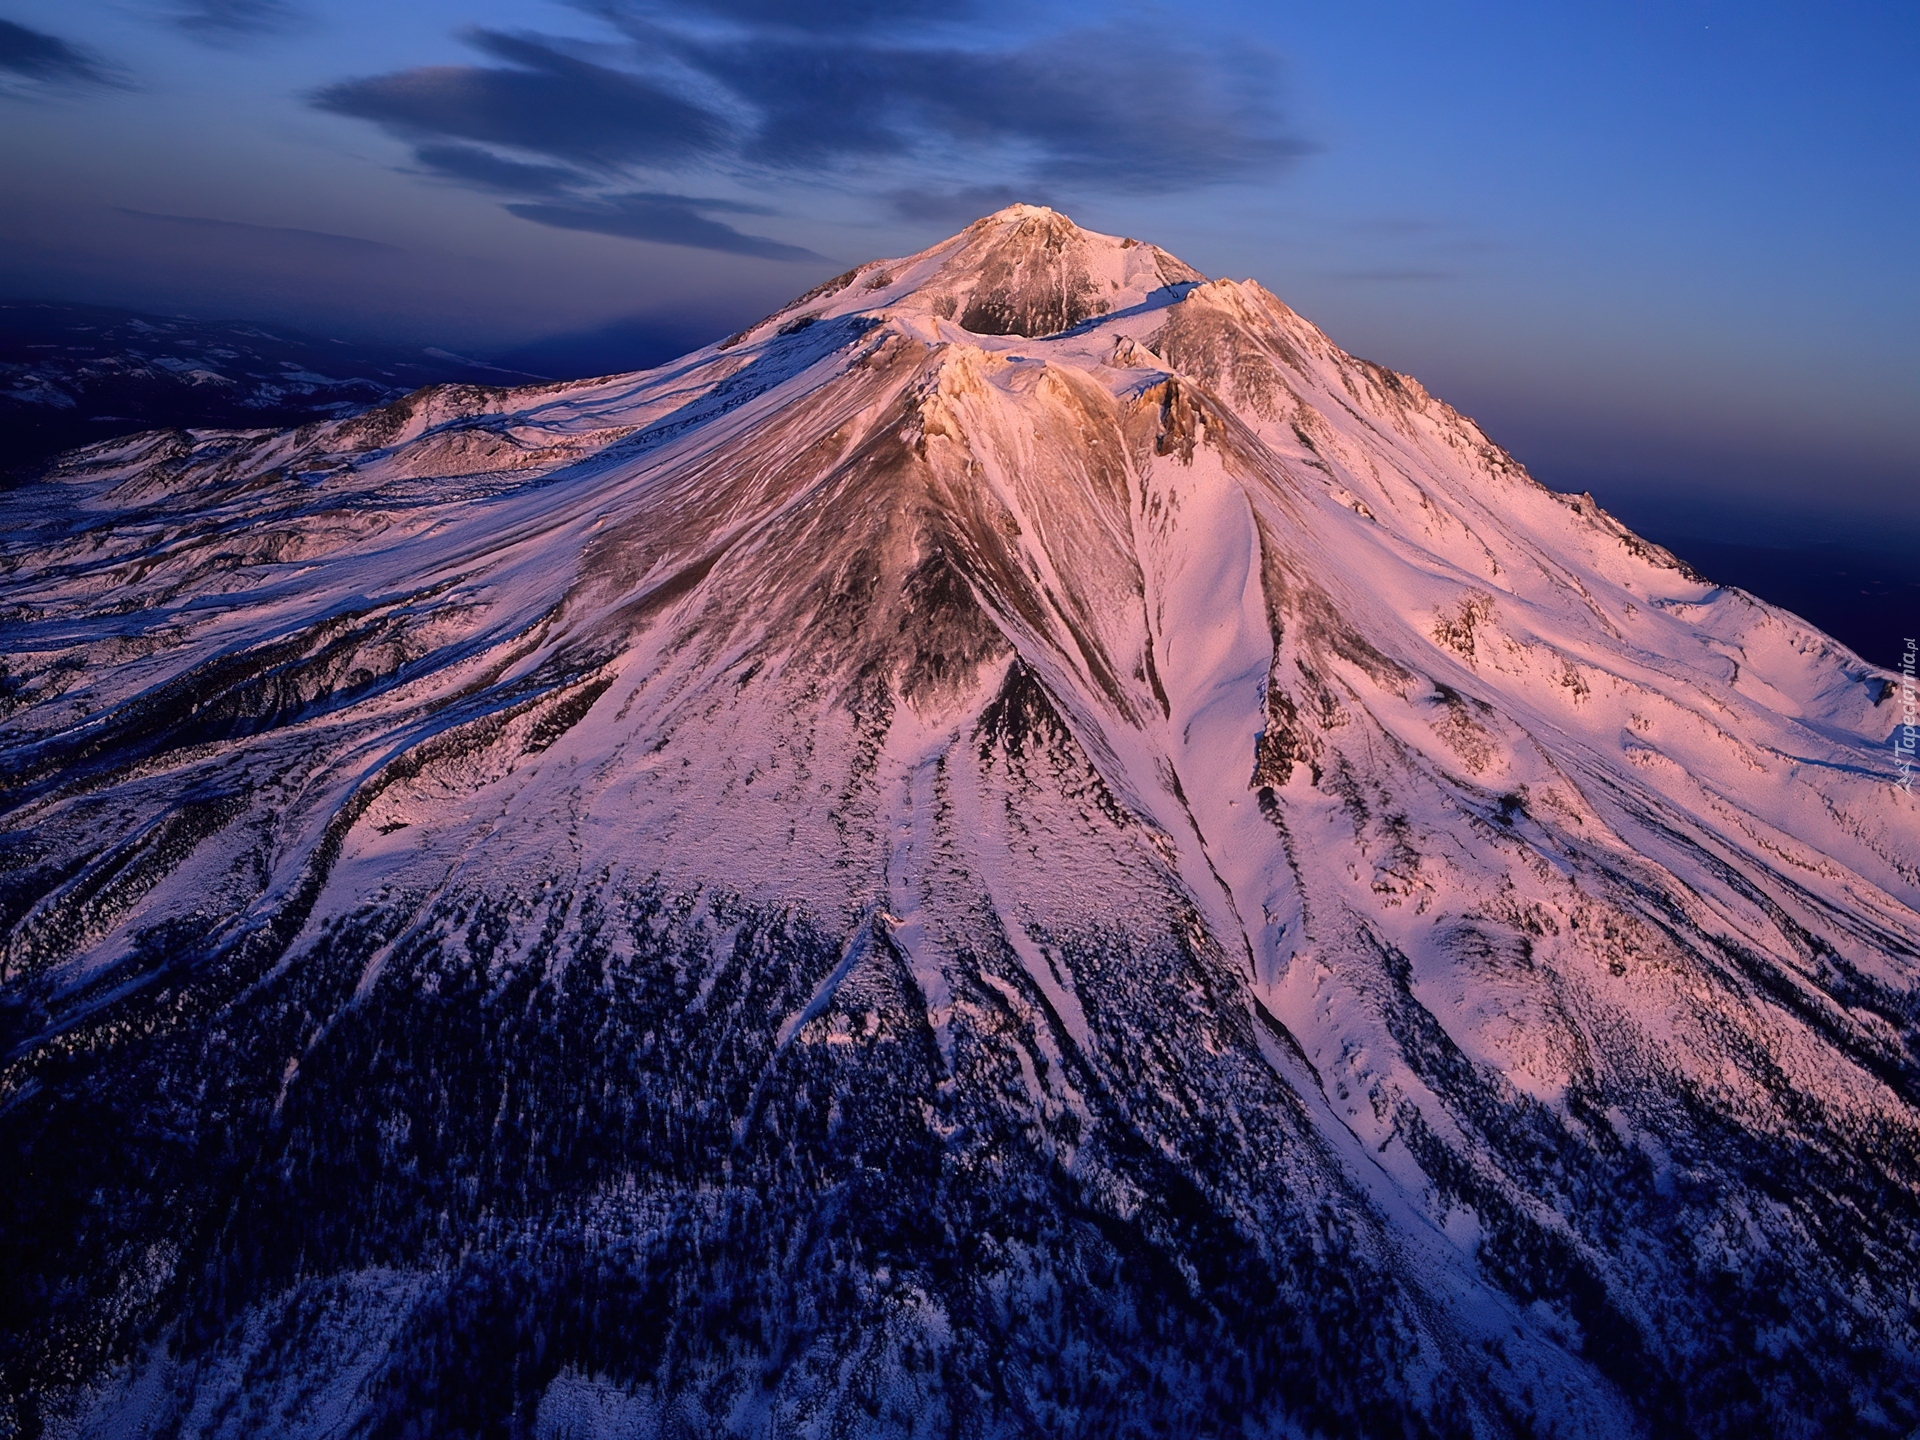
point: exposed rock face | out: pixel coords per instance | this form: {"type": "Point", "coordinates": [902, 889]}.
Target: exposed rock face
{"type": "Point", "coordinates": [891, 879]}
{"type": "Point", "coordinates": [1035, 273]}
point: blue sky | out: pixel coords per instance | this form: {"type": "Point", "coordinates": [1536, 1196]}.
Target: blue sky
{"type": "Point", "coordinates": [1663, 251]}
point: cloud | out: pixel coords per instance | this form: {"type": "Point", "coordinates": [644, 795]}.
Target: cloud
{"type": "Point", "coordinates": [831, 16]}
{"type": "Point", "coordinates": [33, 55]}
{"type": "Point", "coordinates": [540, 100]}
{"type": "Point", "coordinates": [664, 219]}
{"type": "Point", "coordinates": [544, 103]}
{"type": "Point", "coordinates": [485, 170]}
{"type": "Point", "coordinates": [221, 21]}
{"type": "Point", "coordinates": [278, 235]}
{"type": "Point", "coordinates": [802, 90]}
{"type": "Point", "coordinates": [1101, 109]}
{"type": "Point", "coordinates": [856, 92]}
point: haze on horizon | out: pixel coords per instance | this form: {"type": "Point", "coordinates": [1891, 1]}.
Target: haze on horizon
{"type": "Point", "coordinates": [1661, 252]}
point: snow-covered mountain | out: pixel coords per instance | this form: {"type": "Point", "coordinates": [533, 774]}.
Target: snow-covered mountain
{"type": "Point", "coordinates": [1024, 848]}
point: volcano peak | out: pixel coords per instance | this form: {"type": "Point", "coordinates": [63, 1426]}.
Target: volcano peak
{"type": "Point", "coordinates": [1025, 271]}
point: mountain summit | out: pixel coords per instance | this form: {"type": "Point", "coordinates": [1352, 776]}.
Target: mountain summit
{"type": "Point", "coordinates": [1024, 848]}
{"type": "Point", "coordinates": [1028, 271]}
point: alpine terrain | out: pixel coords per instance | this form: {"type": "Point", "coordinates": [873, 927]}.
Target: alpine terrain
{"type": "Point", "coordinates": [70, 374]}
{"type": "Point", "coordinates": [1026, 848]}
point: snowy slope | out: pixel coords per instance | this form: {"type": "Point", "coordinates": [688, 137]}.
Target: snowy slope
{"type": "Point", "coordinates": [1026, 847]}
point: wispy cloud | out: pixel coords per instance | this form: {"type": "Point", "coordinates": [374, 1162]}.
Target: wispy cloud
{"type": "Point", "coordinates": [820, 16]}
{"type": "Point", "coordinates": [39, 58]}
{"type": "Point", "coordinates": [665, 219]}
{"type": "Point", "coordinates": [1112, 109]}
{"type": "Point", "coordinates": [224, 21]}
{"type": "Point", "coordinates": [484, 170]}
{"type": "Point", "coordinates": [275, 234]}
{"type": "Point", "coordinates": [540, 100]}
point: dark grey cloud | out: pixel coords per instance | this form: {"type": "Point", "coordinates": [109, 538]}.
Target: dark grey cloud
{"type": "Point", "coordinates": [1118, 108]}
{"type": "Point", "coordinates": [847, 88]}
{"type": "Point", "coordinates": [35, 55]}
{"type": "Point", "coordinates": [223, 21]}
{"type": "Point", "coordinates": [545, 103]}
{"type": "Point", "coordinates": [664, 219]}
{"type": "Point", "coordinates": [485, 170]}
{"type": "Point", "coordinates": [539, 100]}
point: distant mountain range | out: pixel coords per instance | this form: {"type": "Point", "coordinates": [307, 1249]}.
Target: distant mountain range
{"type": "Point", "coordinates": [1025, 847]}
{"type": "Point", "coordinates": [74, 374]}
